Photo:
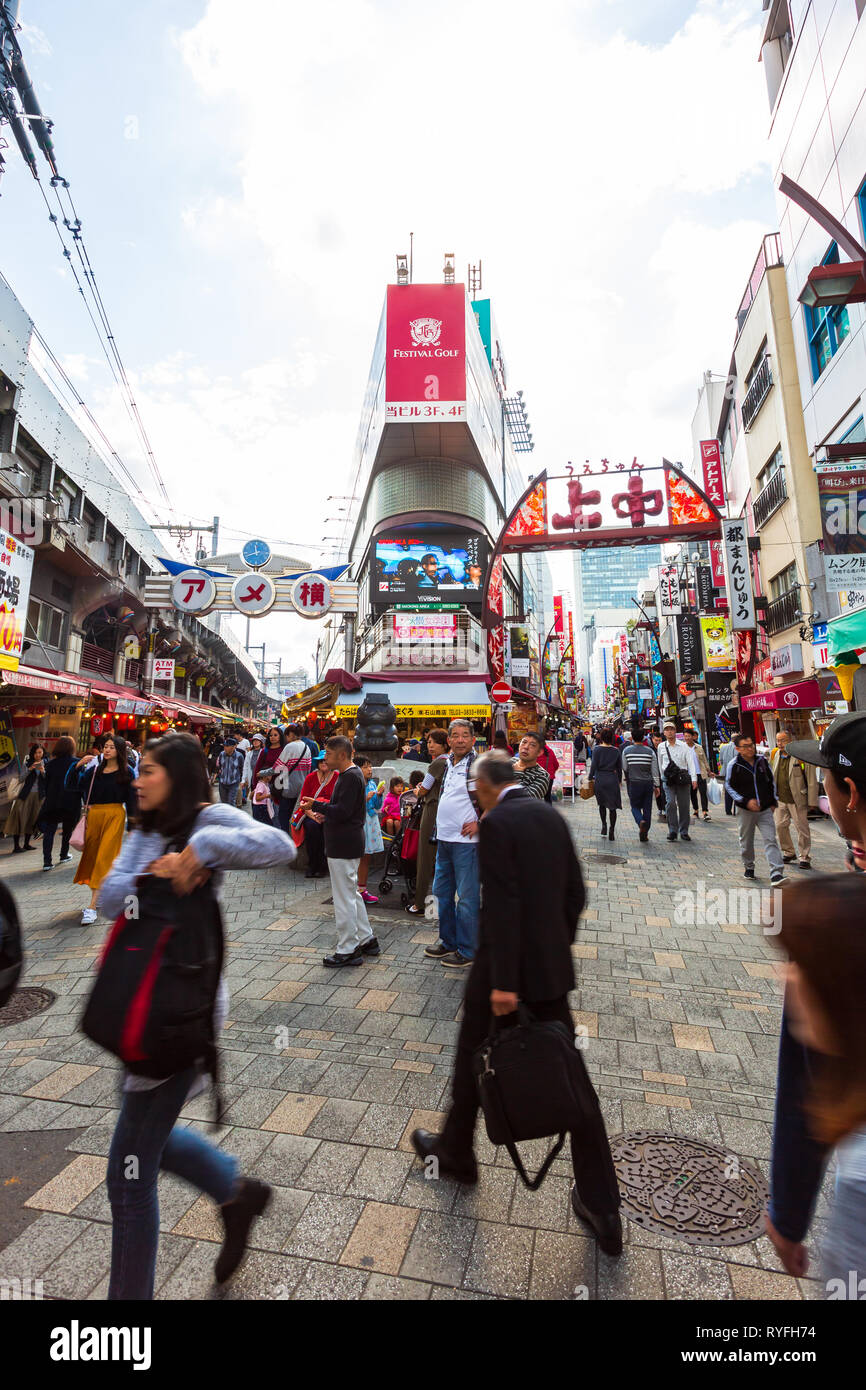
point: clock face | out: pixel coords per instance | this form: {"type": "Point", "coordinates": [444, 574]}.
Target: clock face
{"type": "Point", "coordinates": [256, 553]}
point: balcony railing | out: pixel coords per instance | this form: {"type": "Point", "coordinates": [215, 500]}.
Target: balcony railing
{"type": "Point", "coordinates": [770, 498]}
{"type": "Point", "coordinates": [769, 255]}
{"type": "Point", "coordinates": [133, 672]}
{"type": "Point", "coordinates": [97, 659]}
{"type": "Point", "coordinates": [783, 612]}
{"type": "Point", "coordinates": [757, 393]}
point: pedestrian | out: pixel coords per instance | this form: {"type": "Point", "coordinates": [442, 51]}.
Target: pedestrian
{"type": "Point", "coordinates": [456, 873]}
{"type": "Point", "coordinates": [605, 771]}
{"type": "Point", "coordinates": [679, 770]}
{"type": "Point", "coordinates": [657, 742]}
{"type": "Point", "coordinates": [305, 829]}
{"type": "Point", "coordinates": [62, 804]}
{"type": "Point", "coordinates": [409, 799]}
{"type": "Point", "coordinates": [412, 751]}
{"type": "Point", "coordinates": [530, 774]}
{"type": "Point", "coordinates": [528, 924]}
{"type": "Point", "coordinates": [108, 788]}
{"type": "Point", "coordinates": [792, 790]}
{"type": "Point", "coordinates": [263, 777]}
{"type": "Point", "coordinates": [24, 814]}
{"type": "Point", "coordinates": [580, 747]}
{"type": "Point", "coordinates": [641, 769]}
{"type": "Point", "coordinates": [691, 738]}
{"type": "Point", "coordinates": [373, 842]}
{"type": "Point", "coordinates": [343, 816]}
{"type": "Point", "coordinates": [257, 743]}
{"type": "Point", "coordinates": [727, 753]}
{"type": "Point", "coordinates": [428, 793]}
{"type": "Point", "coordinates": [501, 744]}
{"type": "Point", "coordinates": [391, 815]}
{"type": "Point", "coordinates": [750, 782]}
{"type": "Point", "coordinates": [293, 765]}
{"type": "Point", "coordinates": [176, 809]}
{"type": "Point", "coordinates": [821, 929]}
{"type": "Point", "coordinates": [230, 771]}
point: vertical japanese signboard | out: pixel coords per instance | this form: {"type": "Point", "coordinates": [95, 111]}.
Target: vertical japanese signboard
{"type": "Point", "coordinates": [16, 569]}
{"type": "Point", "coordinates": [558, 625]}
{"type": "Point", "coordinates": [739, 574]}
{"type": "Point", "coordinates": [714, 476]}
{"type": "Point", "coordinates": [717, 564]}
{"type": "Point", "coordinates": [689, 642]}
{"type": "Point", "coordinates": [425, 353]}
{"type": "Point", "coordinates": [843, 520]}
{"type": "Point", "coordinates": [669, 591]}
{"type": "Point", "coordinates": [705, 588]}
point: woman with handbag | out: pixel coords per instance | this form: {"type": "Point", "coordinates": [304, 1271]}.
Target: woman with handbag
{"type": "Point", "coordinates": [605, 771]}
{"type": "Point", "coordinates": [62, 804]}
{"type": "Point", "coordinates": [428, 794]}
{"type": "Point", "coordinates": [175, 806]}
{"type": "Point", "coordinates": [110, 801]}
{"type": "Point", "coordinates": [27, 805]}
{"type": "Point", "coordinates": [264, 798]}
{"type": "Point", "coordinates": [293, 765]}
{"type": "Point", "coordinates": [306, 831]}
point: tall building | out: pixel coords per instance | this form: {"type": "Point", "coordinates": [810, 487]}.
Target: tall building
{"type": "Point", "coordinates": [605, 582]}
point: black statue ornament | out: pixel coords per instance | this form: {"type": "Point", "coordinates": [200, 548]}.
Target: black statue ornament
{"type": "Point", "coordinates": [376, 730]}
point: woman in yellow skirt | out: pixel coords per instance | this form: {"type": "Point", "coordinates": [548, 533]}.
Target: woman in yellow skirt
{"type": "Point", "coordinates": [108, 789]}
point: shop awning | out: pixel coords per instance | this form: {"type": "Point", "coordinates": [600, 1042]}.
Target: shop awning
{"type": "Point", "coordinates": [319, 697]}
{"type": "Point", "coordinates": [56, 682]}
{"type": "Point", "coordinates": [801, 695]}
{"type": "Point", "coordinates": [846, 633]}
{"type": "Point", "coordinates": [447, 699]}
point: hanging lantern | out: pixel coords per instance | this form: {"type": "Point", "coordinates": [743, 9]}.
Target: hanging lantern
{"type": "Point", "coordinates": [97, 725]}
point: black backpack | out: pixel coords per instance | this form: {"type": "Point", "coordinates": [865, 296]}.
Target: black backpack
{"type": "Point", "coordinates": [11, 952]}
{"type": "Point", "coordinates": [152, 1003]}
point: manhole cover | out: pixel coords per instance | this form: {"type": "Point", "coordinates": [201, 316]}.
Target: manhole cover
{"type": "Point", "coordinates": [24, 1004]}
{"type": "Point", "coordinates": [605, 858]}
{"type": "Point", "coordinates": [687, 1189]}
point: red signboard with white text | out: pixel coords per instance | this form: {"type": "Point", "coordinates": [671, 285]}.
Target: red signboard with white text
{"type": "Point", "coordinates": [717, 560]}
{"type": "Point", "coordinates": [714, 476]}
{"type": "Point", "coordinates": [425, 353]}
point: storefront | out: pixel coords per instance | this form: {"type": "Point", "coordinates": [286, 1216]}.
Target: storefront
{"type": "Point", "coordinates": [42, 706]}
{"type": "Point", "coordinates": [797, 709]}
{"type": "Point", "coordinates": [421, 705]}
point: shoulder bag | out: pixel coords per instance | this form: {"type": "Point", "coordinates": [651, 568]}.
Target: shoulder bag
{"type": "Point", "coordinates": [76, 839]}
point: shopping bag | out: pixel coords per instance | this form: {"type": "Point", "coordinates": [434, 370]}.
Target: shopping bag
{"type": "Point", "coordinates": [714, 791]}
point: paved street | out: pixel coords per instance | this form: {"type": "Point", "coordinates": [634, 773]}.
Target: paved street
{"type": "Point", "coordinates": [326, 1076]}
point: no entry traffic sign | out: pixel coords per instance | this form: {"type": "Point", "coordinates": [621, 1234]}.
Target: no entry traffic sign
{"type": "Point", "coordinates": [500, 693]}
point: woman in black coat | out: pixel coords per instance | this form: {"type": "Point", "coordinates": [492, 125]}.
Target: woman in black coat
{"type": "Point", "coordinates": [605, 770]}
{"type": "Point", "coordinates": [62, 804]}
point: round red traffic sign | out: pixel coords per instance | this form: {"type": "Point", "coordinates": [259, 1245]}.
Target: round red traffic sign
{"type": "Point", "coordinates": [500, 693]}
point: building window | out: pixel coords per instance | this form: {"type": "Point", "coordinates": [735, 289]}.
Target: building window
{"type": "Point", "coordinates": [46, 624]}
{"type": "Point", "coordinates": [856, 434]}
{"type": "Point", "coordinates": [861, 196]}
{"type": "Point", "coordinates": [785, 582]}
{"type": "Point", "coordinates": [826, 328]}
{"type": "Point", "coordinates": [769, 469]}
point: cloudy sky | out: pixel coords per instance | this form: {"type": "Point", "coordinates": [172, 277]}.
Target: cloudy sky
{"type": "Point", "coordinates": [246, 174]}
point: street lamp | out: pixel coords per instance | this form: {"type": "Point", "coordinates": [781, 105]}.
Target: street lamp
{"type": "Point", "coordinates": [837, 283]}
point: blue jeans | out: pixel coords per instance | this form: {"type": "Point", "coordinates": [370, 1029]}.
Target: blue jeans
{"type": "Point", "coordinates": [229, 792]}
{"type": "Point", "coordinates": [144, 1141]}
{"type": "Point", "coordinates": [640, 795]}
{"type": "Point", "coordinates": [457, 872]}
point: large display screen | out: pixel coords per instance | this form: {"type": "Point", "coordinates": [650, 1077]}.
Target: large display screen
{"type": "Point", "coordinates": [446, 567]}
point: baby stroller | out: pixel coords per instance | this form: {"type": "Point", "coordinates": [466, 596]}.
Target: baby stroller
{"type": "Point", "coordinates": [401, 857]}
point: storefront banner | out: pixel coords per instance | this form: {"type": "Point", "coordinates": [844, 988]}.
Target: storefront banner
{"type": "Point", "coordinates": [843, 520]}
{"type": "Point", "coordinates": [717, 564]}
{"type": "Point", "coordinates": [16, 569]}
{"type": "Point", "coordinates": [409, 627]}
{"type": "Point", "coordinates": [706, 598]}
{"type": "Point", "coordinates": [425, 353]}
{"type": "Point", "coordinates": [719, 696]}
{"type": "Point", "coordinates": [739, 574]}
{"type": "Point", "coordinates": [718, 648]}
{"type": "Point", "coordinates": [669, 591]}
{"type": "Point", "coordinates": [558, 621]}
{"type": "Point", "coordinates": [787, 660]}
{"type": "Point", "coordinates": [714, 477]}
{"type": "Point", "coordinates": [743, 646]}
{"type": "Point", "coordinates": [802, 695]}
{"type": "Point", "coordinates": [689, 643]}
{"type": "Point", "coordinates": [563, 778]}
{"type": "Point", "coordinates": [39, 682]}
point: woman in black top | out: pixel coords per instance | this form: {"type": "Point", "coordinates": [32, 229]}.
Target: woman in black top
{"type": "Point", "coordinates": [62, 804]}
{"type": "Point", "coordinates": [606, 772]}
{"type": "Point", "coordinates": [26, 806]}
{"type": "Point", "coordinates": [109, 793]}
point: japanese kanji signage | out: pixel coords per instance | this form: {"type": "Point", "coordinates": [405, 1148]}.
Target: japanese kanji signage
{"type": "Point", "coordinates": [705, 588]}
{"type": "Point", "coordinates": [163, 668]}
{"type": "Point", "coordinates": [16, 567]}
{"type": "Point", "coordinates": [253, 594]}
{"type": "Point", "coordinates": [689, 642]}
{"type": "Point", "coordinates": [741, 596]}
{"type": "Point", "coordinates": [193, 591]}
{"type": "Point", "coordinates": [421, 627]}
{"type": "Point", "coordinates": [669, 591]}
{"type": "Point", "coordinates": [717, 564]}
{"type": "Point", "coordinates": [718, 650]}
{"type": "Point", "coordinates": [843, 518]}
{"type": "Point", "coordinates": [714, 477]}
{"type": "Point", "coordinates": [311, 596]}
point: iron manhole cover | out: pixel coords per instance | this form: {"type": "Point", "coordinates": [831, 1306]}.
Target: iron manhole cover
{"type": "Point", "coordinates": [605, 858]}
{"type": "Point", "coordinates": [24, 1004]}
{"type": "Point", "coordinates": [687, 1189]}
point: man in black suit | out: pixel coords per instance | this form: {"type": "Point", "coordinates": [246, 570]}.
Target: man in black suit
{"type": "Point", "coordinates": [532, 896]}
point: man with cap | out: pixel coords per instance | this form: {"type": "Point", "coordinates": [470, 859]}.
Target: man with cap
{"type": "Point", "coordinates": [412, 751]}
{"type": "Point", "coordinates": [749, 783]}
{"type": "Point", "coordinates": [230, 770]}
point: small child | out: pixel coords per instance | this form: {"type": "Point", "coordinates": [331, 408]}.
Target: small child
{"type": "Point", "coordinates": [372, 829]}
{"type": "Point", "coordinates": [409, 799]}
{"type": "Point", "coordinates": [391, 805]}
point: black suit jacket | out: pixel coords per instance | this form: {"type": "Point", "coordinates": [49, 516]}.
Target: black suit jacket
{"type": "Point", "coordinates": [532, 895]}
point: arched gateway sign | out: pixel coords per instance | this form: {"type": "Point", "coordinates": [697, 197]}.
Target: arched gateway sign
{"type": "Point", "coordinates": [593, 506]}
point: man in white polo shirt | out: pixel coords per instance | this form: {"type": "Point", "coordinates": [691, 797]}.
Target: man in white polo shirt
{"type": "Point", "coordinates": [457, 854]}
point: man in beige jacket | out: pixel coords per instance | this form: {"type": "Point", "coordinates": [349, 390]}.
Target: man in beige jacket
{"type": "Point", "coordinates": [793, 793]}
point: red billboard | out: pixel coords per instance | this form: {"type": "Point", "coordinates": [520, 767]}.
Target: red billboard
{"type": "Point", "coordinates": [425, 353]}
{"type": "Point", "coordinates": [714, 477]}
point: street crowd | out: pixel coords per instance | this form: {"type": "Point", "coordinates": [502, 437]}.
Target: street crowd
{"type": "Point", "coordinates": [489, 858]}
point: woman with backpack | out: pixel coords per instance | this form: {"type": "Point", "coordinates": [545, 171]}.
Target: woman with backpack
{"type": "Point", "coordinates": [176, 810]}
{"type": "Point", "coordinates": [108, 788]}
{"type": "Point", "coordinates": [26, 806]}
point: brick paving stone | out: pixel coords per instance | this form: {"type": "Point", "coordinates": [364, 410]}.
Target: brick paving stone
{"type": "Point", "coordinates": [325, 1226]}
{"type": "Point", "coordinates": [439, 1248]}
{"type": "Point", "coordinates": [500, 1260]}
{"type": "Point", "coordinates": [294, 1113]}
{"type": "Point", "coordinates": [563, 1267]}
{"type": "Point", "coordinates": [331, 1167]}
{"type": "Point", "coordinates": [381, 1175]}
{"type": "Point", "coordinates": [380, 1238]}
{"type": "Point", "coordinates": [383, 1287]}
{"type": "Point", "coordinates": [70, 1186]}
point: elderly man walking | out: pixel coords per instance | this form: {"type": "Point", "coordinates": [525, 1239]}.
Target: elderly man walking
{"type": "Point", "coordinates": [456, 874]}
{"type": "Point", "coordinates": [533, 898]}
{"type": "Point", "coordinates": [678, 766]}
{"type": "Point", "coordinates": [792, 790]}
{"type": "Point", "coordinates": [750, 783]}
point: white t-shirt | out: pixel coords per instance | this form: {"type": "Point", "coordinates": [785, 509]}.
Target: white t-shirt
{"type": "Point", "coordinates": [455, 807]}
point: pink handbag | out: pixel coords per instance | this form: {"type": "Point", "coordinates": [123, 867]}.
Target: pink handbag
{"type": "Point", "coordinates": [79, 834]}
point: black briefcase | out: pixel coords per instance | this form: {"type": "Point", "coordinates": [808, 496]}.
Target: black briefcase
{"type": "Point", "coordinates": [530, 1086]}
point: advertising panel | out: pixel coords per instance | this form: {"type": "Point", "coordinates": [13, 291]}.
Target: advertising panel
{"type": "Point", "coordinates": [444, 565]}
{"type": "Point", "coordinates": [717, 564]}
{"type": "Point", "coordinates": [16, 568]}
{"type": "Point", "coordinates": [719, 695]}
{"type": "Point", "coordinates": [420, 627]}
{"type": "Point", "coordinates": [843, 521]}
{"type": "Point", "coordinates": [718, 649]}
{"type": "Point", "coordinates": [689, 642]}
{"type": "Point", "coordinates": [714, 477]}
{"type": "Point", "coordinates": [739, 574]}
{"type": "Point", "coordinates": [669, 591]}
{"type": "Point", "coordinates": [706, 600]}
{"type": "Point", "coordinates": [425, 353]}
{"type": "Point", "coordinates": [563, 778]}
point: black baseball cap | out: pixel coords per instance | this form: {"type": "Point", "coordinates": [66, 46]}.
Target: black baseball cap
{"type": "Point", "coordinates": [842, 749]}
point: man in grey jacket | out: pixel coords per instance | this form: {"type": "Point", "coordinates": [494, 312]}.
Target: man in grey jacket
{"type": "Point", "coordinates": [642, 780]}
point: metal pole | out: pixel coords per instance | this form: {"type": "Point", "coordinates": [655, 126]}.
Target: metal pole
{"type": "Point", "coordinates": [214, 545]}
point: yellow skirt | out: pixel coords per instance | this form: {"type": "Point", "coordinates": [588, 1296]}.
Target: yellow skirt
{"type": "Point", "coordinates": [102, 843]}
